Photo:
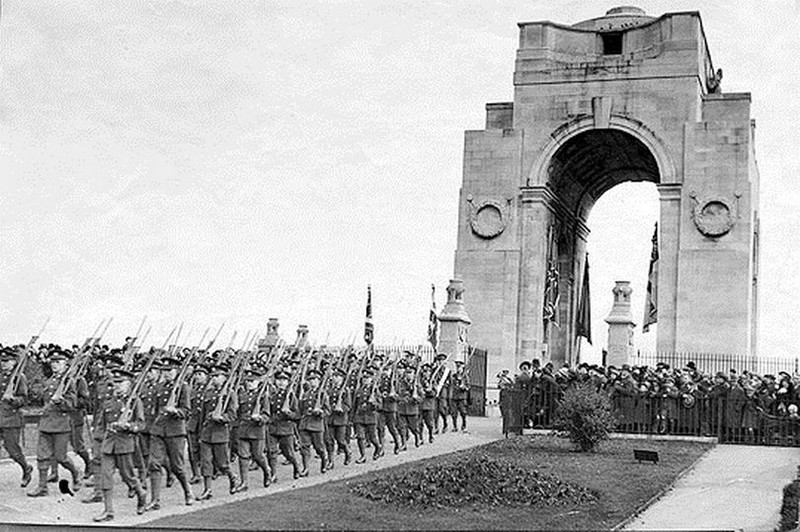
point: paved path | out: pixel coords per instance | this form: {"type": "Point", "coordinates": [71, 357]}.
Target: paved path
{"type": "Point", "coordinates": [16, 507]}
{"type": "Point", "coordinates": [733, 487]}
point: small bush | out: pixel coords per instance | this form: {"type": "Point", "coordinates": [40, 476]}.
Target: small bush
{"type": "Point", "coordinates": [584, 416]}
{"type": "Point", "coordinates": [789, 508]}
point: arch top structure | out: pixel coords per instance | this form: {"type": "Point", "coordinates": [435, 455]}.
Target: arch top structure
{"type": "Point", "coordinates": [624, 97]}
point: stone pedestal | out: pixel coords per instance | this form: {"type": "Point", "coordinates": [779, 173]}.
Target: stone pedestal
{"type": "Point", "coordinates": [454, 323]}
{"type": "Point", "coordinates": [620, 326]}
{"type": "Point", "coordinates": [272, 337]}
{"type": "Point", "coordinates": [302, 336]}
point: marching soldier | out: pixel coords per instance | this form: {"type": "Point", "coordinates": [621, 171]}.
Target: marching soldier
{"type": "Point", "coordinates": [54, 426]}
{"type": "Point", "coordinates": [280, 435]}
{"type": "Point", "coordinates": [168, 433]}
{"type": "Point", "coordinates": [214, 434]}
{"type": "Point", "coordinates": [253, 416]}
{"type": "Point", "coordinates": [387, 413]}
{"type": "Point", "coordinates": [11, 422]}
{"type": "Point", "coordinates": [443, 397]}
{"type": "Point", "coordinates": [408, 407]}
{"type": "Point", "coordinates": [102, 391]}
{"type": "Point", "coordinates": [366, 418]}
{"type": "Point", "coordinates": [337, 421]}
{"type": "Point", "coordinates": [313, 407]}
{"type": "Point", "coordinates": [428, 408]}
{"type": "Point", "coordinates": [118, 442]}
{"type": "Point", "coordinates": [459, 394]}
{"type": "Point", "coordinates": [199, 379]}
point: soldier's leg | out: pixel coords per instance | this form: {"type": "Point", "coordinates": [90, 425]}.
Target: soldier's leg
{"type": "Point", "coordinates": [60, 444]}
{"type": "Point", "coordinates": [78, 442]}
{"type": "Point", "coordinates": [360, 436]}
{"type": "Point", "coordinates": [10, 436]}
{"type": "Point", "coordinates": [44, 457]}
{"type": "Point", "coordinates": [287, 444]}
{"type": "Point", "coordinates": [194, 456]}
{"type": "Point", "coordinates": [381, 427]}
{"type": "Point", "coordinates": [454, 410]}
{"type": "Point", "coordinates": [243, 450]}
{"type": "Point", "coordinates": [176, 448]}
{"type": "Point", "coordinates": [222, 455]}
{"type": "Point", "coordinates": [330, 441]}
{"type": "Point", "coordinates": [305, 450]}
{"type": "Point", "coordinates": [428, 420]}
{"type": "Point", "coordinates": [206, 468]}
{"type": "Point", "coordinates": [106, 483]}
{"type": "Point", "coordinates": [391, 425]}
{"type": "Point", "coordinates": [402, 427]}
{"type": "Point", "coordinates": [372, 436]}
{"type": "Point", "coordinates": [319, 448]}
{"type": "Point", "coordinates": [443, 405]}
{"type": "Point", "coordinates": [272, 455]}
{"type": "Point", "coordinates": [157, 459]}
{"type": "Point", "coordinates": [462, 410]}
{"type": "Point", "coordinates": [124, 464]}
{"type": "Point", "coordinates": [141, 446]}
{"type": "Point", "coordinates": [413, 424]}
{"type": "Point", "coordinates": [340, 434]}
{"type": "Point", "coordinates": [257, 451]}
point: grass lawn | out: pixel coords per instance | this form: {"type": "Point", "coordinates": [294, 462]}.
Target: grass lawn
{"type": "Point", "coordinates": [619, 482]}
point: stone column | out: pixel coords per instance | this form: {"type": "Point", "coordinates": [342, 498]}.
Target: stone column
{"type": "Point", "coordinates": [620, 326]}
{"type": "Point", "coordinates": [302, 336]}
{"type": "Point", "coordinates": [272, 337]}
{"type": "Point", "coordinates": [454, 323]}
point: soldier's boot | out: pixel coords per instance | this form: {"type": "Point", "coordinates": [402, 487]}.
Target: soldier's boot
{"type": "Point", "coordinates": [234, 486]}
{"type": "Point", "coordinates": [266, 473]}
{"type": "Point", "coordinates": [361, 457]}
{"type": "Point", "coordinates": [417, 441]}
{"type": "Point", "coordinates": [53, 473]}
{"type": "Point", "coordinates": [41, 490]}
{"type": "Point", "coordinates": [170, 478]}
{"type": "Point", "coordinates": [323, 463]}
{"type": "Point", "coordinates": [347, 455]}
{"type": "Point", "coordinates": [273, 468]}
{"type": "Point", "coordinates": [27, 475]}
{"type": "Point", "coordinates": [206, 489]}
{"type": "Point", "coordinates": [244, 470]}
{"type": "Point", "coordinates": [463, 424]}
{"type": "Point", "coordinates": [295, 468]}
{"type": "Point", "coordinates": [378, 452]}
{"type": "Point", "coordinates": [305, 455]}
{"type": "Point", "coordinates": [87, 464]}
{"type": "Point", "coordinates": [108, 511]}
{"type": "Point", "coordinates": [444, 424]}
{"type": "Point", "coordinates": [188, 496]}
{"type": "Point", "coordinates": [141, 498]}
{"type": "Point", "coordinates": [155, 494]}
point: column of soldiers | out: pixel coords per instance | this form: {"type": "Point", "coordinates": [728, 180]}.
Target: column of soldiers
{"type": "Point", "coordinates": [149, 411]}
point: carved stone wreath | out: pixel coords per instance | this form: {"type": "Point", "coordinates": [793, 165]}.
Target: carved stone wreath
{"type": "Point", "coordinates": [714, 217]}
{"type": "Point", "coordinates": [488, 218]}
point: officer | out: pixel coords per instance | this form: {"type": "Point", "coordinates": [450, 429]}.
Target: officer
{"type": "Point", "coordinates": [408, 407]}
{"type": "Point", "coordinates": [282, 425]}
{"type": "Point", "coordinates": [253, 415]}
{"type": "Point", "coordinates": [119, 419]}
{"type": "Point", "coordinates": [54, 426]}
{"type": "Point", "coordinates": [459, 393]}
{"type": "Point", "coordinates": [313, 408]}
{"type": "Point", "coordinates": [102, 391]}
{"type": "Point", "coordinates": [366, 417]}
{"type": "Point", "coordinates": [387, 413]}
{"type": "Point", "coordinates": [199, 380]}
{"type": "Point", "coordinates": [428, 408]}
{"type": "Point", "coordinates": [11, 422]}
{"type": "Point", "coordinates": [336, 423]}
{"type": "Point", "coordinates": [443, 397]}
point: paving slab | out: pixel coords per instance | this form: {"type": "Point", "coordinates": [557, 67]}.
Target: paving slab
{"type": "Point", "coordinates": [733, 487]}
{"type": "Point", "coordinates": [16, 507]}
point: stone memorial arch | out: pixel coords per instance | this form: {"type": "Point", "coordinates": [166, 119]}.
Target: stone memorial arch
{"type": "Point", "coordinates": [624, 97]}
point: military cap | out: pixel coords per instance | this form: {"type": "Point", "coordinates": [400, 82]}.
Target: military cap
{"type": "Point", "coordinates": [425, 365]}
{"type": "Point", "coordinates": [112, 360]}
{"type": "Point", "coordinates": [312, 374]}
{"type": "Point", "coordinates": [7, 354]}
{"type": "Point", "coordinates": [121, 374]}
{"type": "Point", "coordinates": [459, 362]}
{"type": "Point", "coordinates": [281, 375]}
{"type": "Point", "coordinates": [340, 371]}
{"type": "Point", "coordinates": [220, 368]}
{"type": "Point", "coordinates": [524, 364]}
{"type": "Point", "coordinates": [440, 356]}
{"type": "Point", "coordinates": [721, 375]}
{"type": "Point", "coordinates": [368, 372]}
{"type": "Point", "coordinates": [169, 363]}
{"type": "Point", "coordinates": [785, 374]}
{"type": "Point", "coordinates": [202, 368]}
{"type": "Point", "coordinates": [253, 372]}
{"type": "Point", "coordinates": [57, 355]}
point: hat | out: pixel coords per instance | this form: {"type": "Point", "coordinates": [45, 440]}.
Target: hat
{"type": "Point", "coordinates": [169, 363]}
{"type": "Point", "coordinates": [340, 371]}
{"type": "Point", "coordinates": [121, 374]}
{"type": "Point", "coordinates": [220, 368]}
{"type": "Point", "coordinates": [312, 374]}
{"type": "Point", "coordinates": [57, 355]}
{"type": "Point", "coordinates": [201, 368]}
{"type": "Point", "coordinates": [691, 365]}
{"type": "Point", "coordinates": [524, 363]}
{"type": "Point", "coordinates": [253, 372]}
{"type": "Point", "coordinates": [7, 354]}
{"type": "Point", "coordinates": [112, 360]}
{"type": "Point", "coordinates": [368, 372]}
{"type": "Point", "coordinates": [281, 375]}
{"type": "Point", "coordinates": [440, 356]}
{"type": "Point", "coordinates": [459, 362]}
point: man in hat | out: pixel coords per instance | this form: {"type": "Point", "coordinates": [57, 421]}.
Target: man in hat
{"type": "Point", "coordinates": [365, 405]}
{"type": "Point", "coordinates": [120, 418]}
{"type": "Point", "coordinates": [408, 406]}
{"type": "Point", "coordinates": [214, 434]}
{"type": "Point", "coordinates": [54, 425]}
{"type": "Point", "coordinates": [253, 415]}
{"type": "Point", "coordinates": [284, 413]}
{"type": "Point", "coordinates": [338, 420]}
{"type": "Point", "coordinates": [148, 397]}
{"type": "Point", "coordinates": [171, 406]}
{"type": "Point", "coordinates": [314, 406]}
{"type": "Point", "coordinates": [441, 380]}
{"type": "Point", "coordinates": [459, 393]}
{"type": "Point", "coordinates": [428, 406]}
{"type": "Point", "coordinates": [199, 380]}
{"type": "Point", "coordinates": [387, 411]}
{"type": "Point", "coordinates": [102, 391]}
{"type": "Point", "coordinates": [11, 422]}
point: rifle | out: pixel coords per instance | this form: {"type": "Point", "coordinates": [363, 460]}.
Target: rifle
{"type": "Point", "coordinates": [210, 345]}
{"type": "Point", "coordinates": [178, 384]}
{"type": "Point", "coordinates": [225, 394]}
{"type": "Point", "coordinates": [130, 350]}
{"type": "Point", "coordinates": [97, 338]}
{"type": "Point", "coordinates": [13, 381]}
{"type": "Point", "coordinates": [416, 386]}
{"type": "Point", "coordinates": [443, 374]}
{"type": "Point", "coordinates": [135, 349]}
{"type": "Point", "coordinates": [321, 389]}
{"type": "Point", "coordinates": [296, 378]}
{"type": "Point", "coordinates": [263, 389]}
{"type": "Point", "coordinates": [127, 412]}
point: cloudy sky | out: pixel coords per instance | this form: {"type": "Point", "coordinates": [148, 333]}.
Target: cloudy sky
{"type": "Point", "coordinates": [234, 161]}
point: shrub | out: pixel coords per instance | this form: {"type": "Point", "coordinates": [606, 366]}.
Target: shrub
{"type": "Point", "coordinates": [789, 508]}
{"type": "Point", "coordinates": [584, 416]}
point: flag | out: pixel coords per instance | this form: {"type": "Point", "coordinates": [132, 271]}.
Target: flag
{"type": "Point", "coordinates": [551, 295]}
{"type": "Point", "coordinates": [584, 327]}
{"type": "Point", "coordinates": [651, 302]}
{"type": "Point", "coordinates": [433, 321]}
{"type": "Point", "coordinates": [369, 328]}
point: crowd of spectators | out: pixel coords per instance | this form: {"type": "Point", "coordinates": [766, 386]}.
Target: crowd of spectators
{"type": "Point", "coordinates": [733, 405]}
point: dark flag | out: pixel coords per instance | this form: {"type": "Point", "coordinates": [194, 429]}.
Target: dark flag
{"type": "Point", "coordinates": [651, 302]}
{"type": "Point", "coordinates": [369, 328]}
{"type": "Point", "coordinates": [433, 321]}
{"type": "Point", "coordinates": [584, 327]}
{"type": "Point", "coordinates": [551, 296]}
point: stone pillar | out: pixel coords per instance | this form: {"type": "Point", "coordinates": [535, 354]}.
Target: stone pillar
{"type": "Point", "coordinates": [453, 323]}
{"type": "Point", "coordinates": [302, 336]}
{"type": "Point", "coordinates": [620, 326]}
{"type": "Point", "coordinates": [272, 337]}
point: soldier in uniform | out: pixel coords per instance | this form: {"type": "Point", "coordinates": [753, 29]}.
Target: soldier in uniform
{"type": "Point", "coordinates": [282, 425]}
{"type": "Point", "coordinates": [408, 407]}
{"type": "Point", "coordinates": [458, 396]}
{"type": "Point", "coordinates": [54, 426]}
{"type": "Point", "coordinates": [199, 380]}
{"type": "Point", "coordinates": [102, 391]}
{"type": "Point", "coordinates": [119, 427]}
{"type": "Point", "coordinates": [214, 434]}
{"type": "Point", "coordinates": [443, 397]}
{"type": "Point", "coordinates": [387, 413]}
{"type": "Point", "coordinates": [11, 422]}
{"type": "Point", "coordinates": [253, 416]}
{"type": "Point", "coordinates": [428, 408]}
{"type": "Point", "coordinates": [337, 421]}
{"type": "Point", "coordinates": [366, 417]}
{"type": "Point", "coordinates": [141, 456]}
{"type": "Point", "coordinates": [168, 433]}
{"type": "Point", "coordinates": [313, 408]}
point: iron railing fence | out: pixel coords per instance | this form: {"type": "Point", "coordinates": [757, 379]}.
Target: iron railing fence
{"type": "Point", "coordinates": [711, 363]}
